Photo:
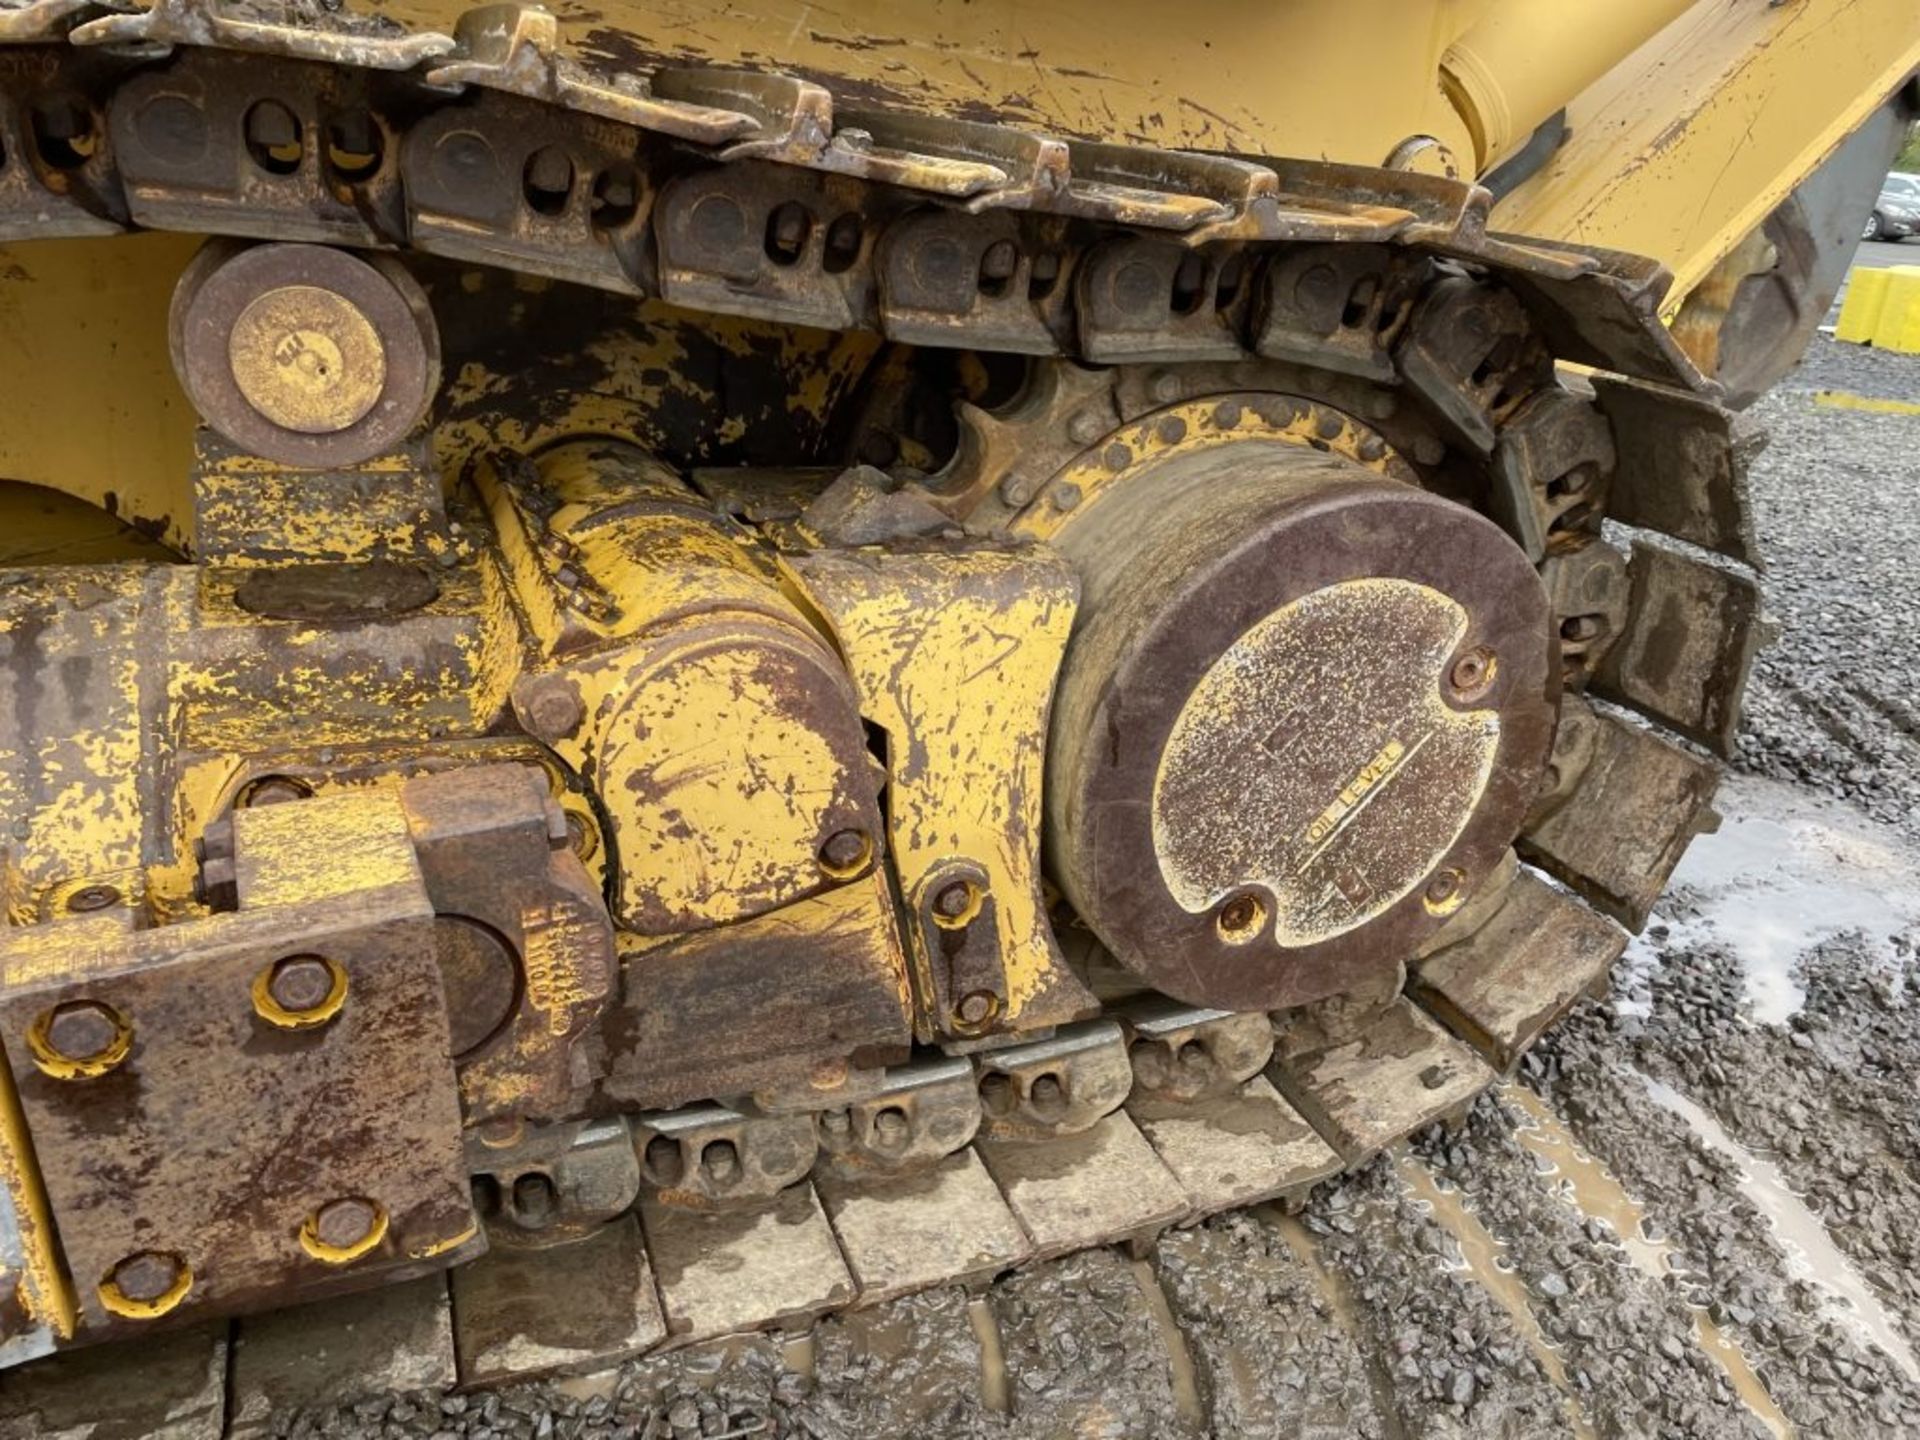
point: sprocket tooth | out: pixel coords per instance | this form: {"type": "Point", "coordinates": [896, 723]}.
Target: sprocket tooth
{"type": "Point", "coordinates": [1006, 455]}
{"type": "Point", "coordinates": [1499, 988]}
{"type": "Point", "coordinates": [1363, 1090]}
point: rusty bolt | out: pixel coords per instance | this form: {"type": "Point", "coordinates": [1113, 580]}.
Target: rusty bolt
{"type": "Point", "coordinates": [721, 1161]}
{"type": "Point", "coordinates": [953, 900]}
{"type": "Point", "coordinates": [890, 1128]}
{"type": "Point", "coordinates": [828, 1075]}
{"type": "Point", "coordinates": [300, 983]}
{"type": "Point", "coordinates": [92, 897]}
{"type": "Point", "coordinates": [790, 225]}
{"type": "Point", "coordinates": [145, 1277]}
{"type": "Point", "coordinates": [664, 1160]}
{"type": "Point", "coordinates": [975, 1009]}
{"type": "Point", "coordinates": [837, 1123]}
{"type": "Point", "coordinates": [1472, 672]}
{"type": "Point", "coordinates": [343, 1224]}
{"type": "Point", "coordinates": [1047, 1095]}
{"type": "Point", "coordinates": [535, 1199]}
{"type": "Point", "coordinates": [550, 170]}
{"type": "Point", "coordinates": [81, 1030]}
{"type": "Point", "coordinates": [999, 262]}
{"type": "Point", "coordinates": [1150, 1063]}
{"type": "Point", "coordinates": [552, 710]}
{"type": "Point", "coordinates": [845, 850]}
{"type": "Point", "coordinates": [996, 1092]}
{"type": "Point", "coordinates": [1240, 914]}
{"type": "Point", "coordinates": [1444, 886]}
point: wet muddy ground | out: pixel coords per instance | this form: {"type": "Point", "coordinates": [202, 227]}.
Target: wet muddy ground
{"type": "Point", "coordinates": [1695, 1212]}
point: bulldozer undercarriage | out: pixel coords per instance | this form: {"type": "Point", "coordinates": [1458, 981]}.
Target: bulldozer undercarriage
{"type": "Point", "coordinates": [590, 810]}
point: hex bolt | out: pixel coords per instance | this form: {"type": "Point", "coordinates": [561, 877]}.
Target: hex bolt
{"type": "Point", "coordinates": [1444, 887]}
{"type": "Point", "coordinates": [996, 1092]}
{"type": "Point", "coordinates": [1084, 428]}
{"type": "Point", "coordinates": [975, 1008]}
{"type": "Point", "coordinates": [999, 262]}
{"type": "Point", "coordinates": [551, 170]}
{"type": "Point", "coordinates": [837, 1123]}
{"type": "Point", "coordinates": [1047, 1096]}
{"type": "Point", "coordinates": [1164, 386]}
{"type": "Point", "coordinates": [300, 983]}
{"type": "Point", "coordinates": [721, 1161]}
{"type": "Point", "coordinates": [664, 1160]}
{"type": "Point", "coordinates": [845, 851]}
{"type": "Point", "coordinates": [890, 1129]}
{"type": "Point", "coordinates": [82, 1030]}
{"type": "Point", "coordinates": [535, 1199]}
{"type": "Point", "coordinates": [1150, 1063]}
{"type": "Point", "coordinates": [343, 1224]}
{"type": "Point", "coordinates": [1472, 673]}
{"type": "Point", "coordinates": [1193, 1055]}
{"type": "Point", "coordinates": [1239, 915]}
{"type": "Point", "coordinates": [790, 224]}
{"type": "Point", "coordinates": [953, 900]}
{"type": "Point", "coordinates": [552, 709]}
{"type": "Point", "coordinates": [828, 1075]}
{"type": "Point", "coordinates": [145, 1277]}
{"type": "Point", "coordinates": [92, 897]}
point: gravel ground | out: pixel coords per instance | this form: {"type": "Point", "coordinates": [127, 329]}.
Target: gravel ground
{"type": "Point", "coordinates": [1835, 703]}
{"type": "Point", "coordinates": [1733, 1248]}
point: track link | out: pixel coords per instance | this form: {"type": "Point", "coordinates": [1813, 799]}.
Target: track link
{"type": "Point", "coordinates": [755, 195]}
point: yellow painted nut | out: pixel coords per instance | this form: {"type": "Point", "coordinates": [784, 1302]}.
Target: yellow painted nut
{"type": "Point", "coordinates": [300, 992]}
{"type": "Point", "coordinates": [146, 1285]}
{"type": "Point", "coordinates": [343, 1230]}
{"type": "Point", "coordinates": [79, 1039]}
{"type": "Point", "coordinates": [307, 358]}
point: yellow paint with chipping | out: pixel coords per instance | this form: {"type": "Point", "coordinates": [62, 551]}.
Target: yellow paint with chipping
{"type": "Point", "coordinates": [954, 655]}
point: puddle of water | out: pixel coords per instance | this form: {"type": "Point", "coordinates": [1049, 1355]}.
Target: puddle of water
{"type": "Point", "coordinates": [798, 1355]}
{"type": "Point", "coordinates": [1590, 1189]}
{"type": "Point", "coordinates": [1782, 875]}
{"type": "Point", "coordinates": [1186, 1385]}
{"type": "Point", "coordinates": [1484, 1259]}
{"type": "Point", "coordinates": [995, 1387]}
{"type": "Point", "coordinates": [1810, 1251]}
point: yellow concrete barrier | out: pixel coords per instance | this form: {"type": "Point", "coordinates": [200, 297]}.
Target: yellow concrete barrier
{"type": "Point", "coordinates": [1882, 309]}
